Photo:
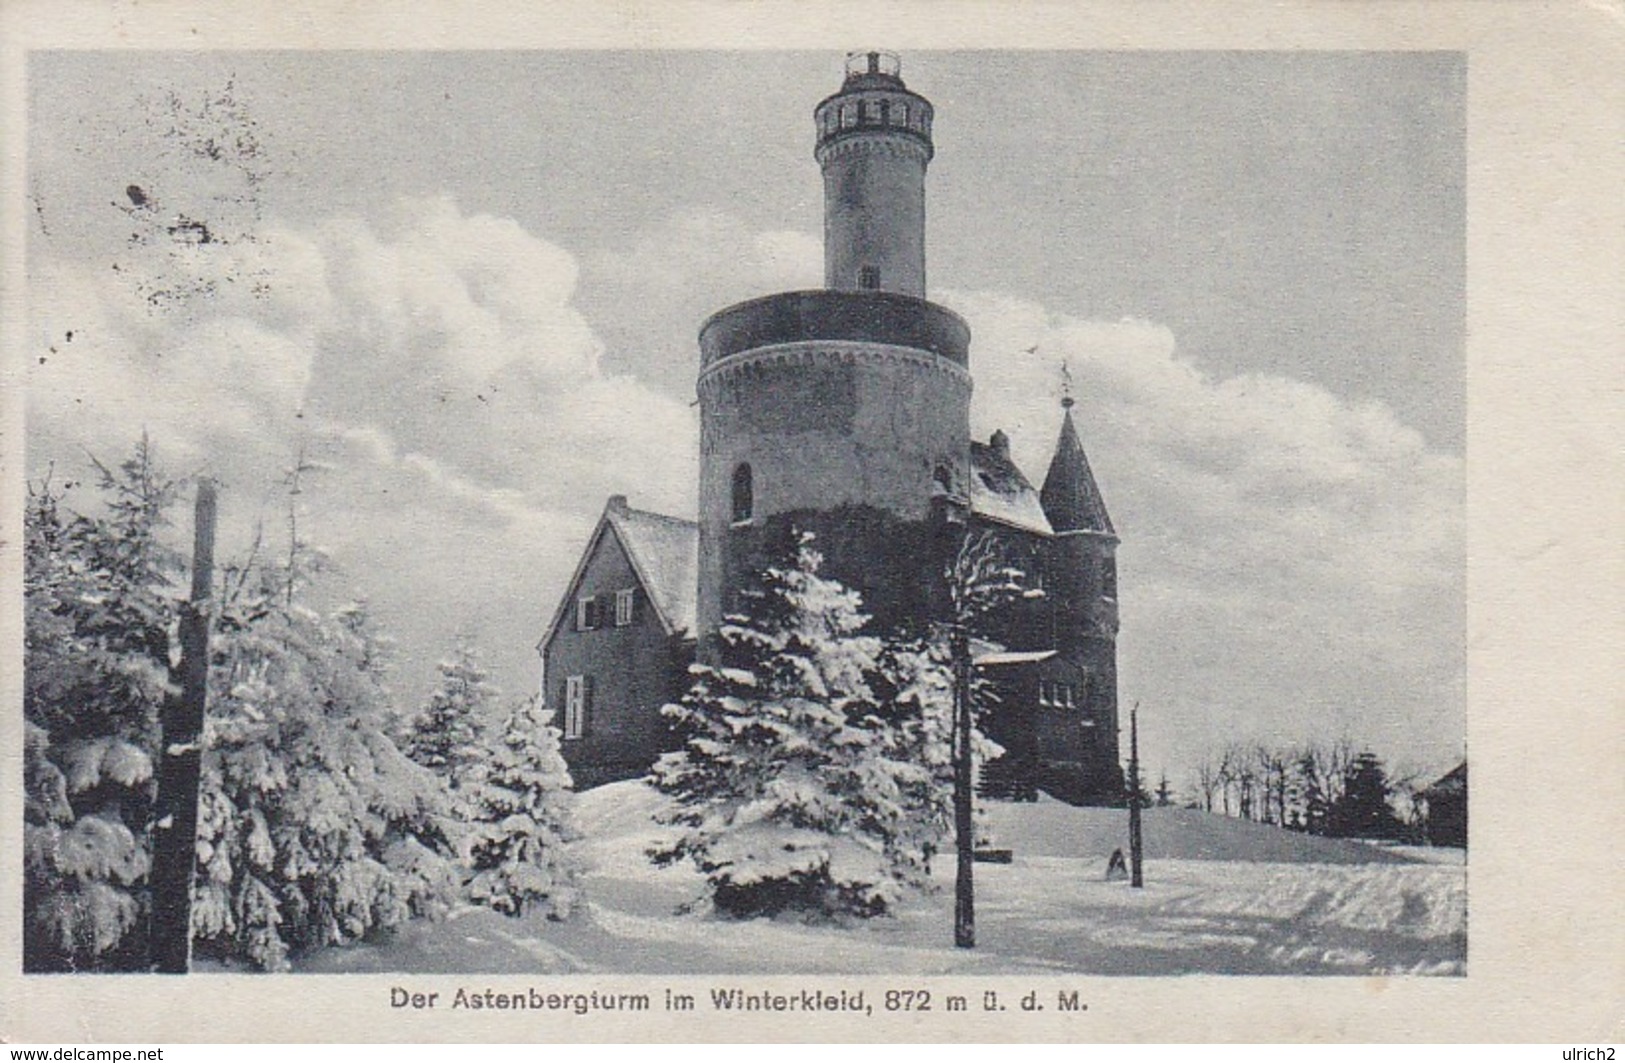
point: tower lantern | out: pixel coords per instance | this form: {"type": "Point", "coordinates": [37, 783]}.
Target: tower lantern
{"type": "Point", "coordinates": [874, 141]}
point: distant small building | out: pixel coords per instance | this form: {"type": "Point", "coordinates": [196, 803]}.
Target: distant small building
{"type": "Point", "coordinates": [620, 643]}
{"type": "Point", "coordinates": [1446, 812]}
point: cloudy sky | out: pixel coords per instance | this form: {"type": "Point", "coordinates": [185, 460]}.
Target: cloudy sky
{"type": "Point", "coordinates": [467, 285]}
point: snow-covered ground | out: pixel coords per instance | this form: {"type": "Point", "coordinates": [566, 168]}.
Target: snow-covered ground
{"type": "Point", "coordinates": [1221, 896]}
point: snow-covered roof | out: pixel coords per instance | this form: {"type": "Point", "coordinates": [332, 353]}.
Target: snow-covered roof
{"type": "Point", "coordinates": [666, 553]}
{"type": "Point", "coordinates": [999, 492]}
{"type": "Point", "coordinates": [1014, 657]}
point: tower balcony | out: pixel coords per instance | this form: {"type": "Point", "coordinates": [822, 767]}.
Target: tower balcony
{"type": "Point", "coordinates": [851, 316]}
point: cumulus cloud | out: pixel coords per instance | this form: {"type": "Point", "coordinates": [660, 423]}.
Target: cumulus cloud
{"type": "Point", "coordinates": [650, 296]}
{"type": "Point", "coordinates": [433, 367]}
{"type": "Point", "coordinates": [471, 392]}
{"type": "Point", "coordinates": [1292, 563]}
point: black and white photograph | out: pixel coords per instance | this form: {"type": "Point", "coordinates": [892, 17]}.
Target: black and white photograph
{"type": "Point", "coordinates": [522, 516]}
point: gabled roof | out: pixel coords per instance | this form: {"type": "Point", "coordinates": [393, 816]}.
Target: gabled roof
{"type": "Point", "coordinates": [999, 492]}
{"type": "Point", "coordinates": [665, 555]}
{"type": "Point", "coordinates": [1070, 497]}
{"type": "Point", "coordinates": [1453, 781]}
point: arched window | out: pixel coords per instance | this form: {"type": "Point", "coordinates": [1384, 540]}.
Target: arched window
{"type": "Point", "coordinates": [743, 497]}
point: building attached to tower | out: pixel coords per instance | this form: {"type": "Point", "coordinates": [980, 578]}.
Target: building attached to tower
{"type": "Point", "coordinates": [845, 412]}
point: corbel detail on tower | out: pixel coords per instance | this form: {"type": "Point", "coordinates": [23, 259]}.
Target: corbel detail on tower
{"type": "Point", "coordinates": [826, 352]}
{"type": "Point", "coordinates": [876, 142]}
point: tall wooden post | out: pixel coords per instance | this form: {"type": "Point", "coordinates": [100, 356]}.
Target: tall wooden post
{"type": "Point", "coordinates": [174, 853]}
{"type": "Point", "coordinates": [1134, 843]}
{"type": "Point", "coordinates": [964, 781]}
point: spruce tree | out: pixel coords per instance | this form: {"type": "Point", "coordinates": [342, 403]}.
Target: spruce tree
{"type": "Point", "coordinates": [1363, 810]}
{"type": "Point", "coordinates": [314, 828]}
{"type": "Point", "coordinates": [448, 736]}
{"type": "Point", "coordinates": [445, 737]}
{"type": "Point", "coordinates": [520, 854]}
{"type": "Point", "coordinates": [800, 787]}
{"type": "Point", "coordinates": [98, 604]}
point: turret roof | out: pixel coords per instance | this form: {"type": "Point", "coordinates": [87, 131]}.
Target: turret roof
{"type": "Point", "coordinates": [1070, 496]}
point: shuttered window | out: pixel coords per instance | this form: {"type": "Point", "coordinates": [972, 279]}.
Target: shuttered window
{"type": "Point", "coordinates": [577, 695]}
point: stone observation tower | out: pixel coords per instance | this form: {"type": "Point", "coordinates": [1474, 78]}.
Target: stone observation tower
{"type": "Point", "coordinates": [843, 412]}
{"type": "Point", "coordinates": [874, 141]}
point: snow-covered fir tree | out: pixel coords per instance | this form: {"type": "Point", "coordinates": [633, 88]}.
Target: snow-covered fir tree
{"type": "Point", "coordinates": [801, 785]}
{"type": "Point", "coordinates": [314, 827]}
{"type": "Point", "coordinates": [99, 602]}
{"type": "Point", "coordinates": [521, 855]}
{"type": "Point", "coordinates": [447, 734]}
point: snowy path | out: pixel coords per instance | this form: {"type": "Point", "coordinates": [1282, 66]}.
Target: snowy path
{"type": "Point", "coordinates": [1371, 912]}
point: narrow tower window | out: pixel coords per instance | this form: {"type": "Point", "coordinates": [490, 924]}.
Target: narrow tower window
{"type": "Point", "coordinates": [869, 277]}
{"type": "Point", "coordinates": [744, 500]}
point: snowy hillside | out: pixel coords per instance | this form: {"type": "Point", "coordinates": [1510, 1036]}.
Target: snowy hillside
{"type": "Point", "coordinates": [1051, 828]}
{"type": "Point", "coordinates": [1221, 896]}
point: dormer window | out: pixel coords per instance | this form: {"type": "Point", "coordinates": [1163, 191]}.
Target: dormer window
{"type": "Point", "coordinates": [869, 278]}
{"type": "Point", "coordinates": [744, 501]}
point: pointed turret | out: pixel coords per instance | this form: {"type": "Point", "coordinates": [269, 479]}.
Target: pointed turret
{"type": "Point", "coordinates": [1070, 497]}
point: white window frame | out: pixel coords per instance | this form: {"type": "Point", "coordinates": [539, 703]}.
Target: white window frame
{"type": "Point", "coordinates": [623, 606]}
{"type": "Point", "coordinates": [585, 621]}
{"type": "Point", "coordinates": [575, 706]}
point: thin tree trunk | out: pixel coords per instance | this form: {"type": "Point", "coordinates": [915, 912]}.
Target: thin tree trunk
{"type": "Point", "coordinates": [1135, 845]}
{"type": "Point", "coordinates": [174, 856]}
{"type": "Point", "coordinates": [964, 836]}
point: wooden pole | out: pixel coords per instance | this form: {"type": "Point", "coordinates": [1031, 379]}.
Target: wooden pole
{"type": "Point", "coordinates": [174, 854]}
{"type": "Point", "coordinates": [964, 781]}
{"type": "Point", "coordinates": [1135, 847]}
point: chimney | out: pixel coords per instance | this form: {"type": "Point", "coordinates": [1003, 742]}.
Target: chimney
{"type": "Point", "coordinates": [1000, 444]}
{"type": "Point", "coordinates": [617, 505]}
